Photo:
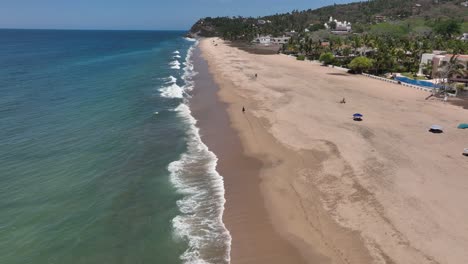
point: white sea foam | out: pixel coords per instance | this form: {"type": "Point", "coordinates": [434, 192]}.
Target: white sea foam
{"type": "Point", "coordinates": [195, 177]}
{"type": "Point", "coordinates": [177, 57]}
{"type": "Point", "coordinates": [171, 79]}
{"type": "Point", "coordinates": [190, 39]}
{"type": "Point", "coordinates": [176, 52]}
{"type": "Point", "coordinates": [175, 65]}
{"type": "Point", "coordinates": [189, 71]}
{"type": "Point", "coordinates": [172, 91]}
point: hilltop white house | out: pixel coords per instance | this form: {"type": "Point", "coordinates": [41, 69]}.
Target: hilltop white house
{"type": "Point", "coordinates": [341, 27]}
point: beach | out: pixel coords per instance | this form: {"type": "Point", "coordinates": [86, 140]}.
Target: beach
{"type": "Point", "coordinates": [307, 184]}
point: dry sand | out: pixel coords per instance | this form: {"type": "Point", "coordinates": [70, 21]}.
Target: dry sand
{"type": "Point", "coordinates": [383, 190]}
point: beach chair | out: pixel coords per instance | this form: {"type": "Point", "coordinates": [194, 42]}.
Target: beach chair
{"type": "Point", "coordinates": [436, 129]}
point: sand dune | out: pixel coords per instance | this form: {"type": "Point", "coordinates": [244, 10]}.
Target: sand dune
{"type": "Point", "coordinates": [383, 190]}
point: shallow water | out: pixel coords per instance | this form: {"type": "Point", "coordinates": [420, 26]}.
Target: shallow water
{"type": "Point", "coordinates": [95, 144]}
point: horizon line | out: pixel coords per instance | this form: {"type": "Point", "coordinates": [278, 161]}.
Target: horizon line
{"type": "Point", "coordinates": [91, 29]}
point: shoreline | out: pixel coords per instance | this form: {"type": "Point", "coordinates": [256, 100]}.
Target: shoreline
{"type": "Point", "coordinates": [253, 238]}
{"type": "Point", "coordinates": [379, 191]}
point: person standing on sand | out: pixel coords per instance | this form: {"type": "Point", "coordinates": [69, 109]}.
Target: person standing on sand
{"type": "Point", "coordinates": [243, 109]}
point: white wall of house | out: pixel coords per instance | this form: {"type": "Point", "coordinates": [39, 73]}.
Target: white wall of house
{"type": "Point", "coordinates": [267, 40]}
{"type": "Point", "coordinates": [438, 59]}
{"type": "Point", "coordinates": [465, 37]}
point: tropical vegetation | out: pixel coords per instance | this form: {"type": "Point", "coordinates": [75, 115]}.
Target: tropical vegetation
{"type": "Point", "coordinates": [387, 36]}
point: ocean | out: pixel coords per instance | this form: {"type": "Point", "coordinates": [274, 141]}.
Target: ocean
{"type": "Point", "coordinates": [101, 160]}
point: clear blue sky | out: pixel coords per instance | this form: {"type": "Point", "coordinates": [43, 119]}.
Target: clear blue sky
{"type": "Point", "coordinates": [137, 14]}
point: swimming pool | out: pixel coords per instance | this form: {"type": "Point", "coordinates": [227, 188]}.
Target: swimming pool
{"type": "Point", "coordinates": [415, 82]}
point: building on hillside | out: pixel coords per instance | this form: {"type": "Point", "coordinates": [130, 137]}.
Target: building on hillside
{"type": "Point", "coordinates": [325, 44]}
{"type": "Point", "coordinates": [464, 37]}
{"type": "Point", "coordinates": [380, 19]}
{"type": "Point", "coordinates": [291, 33]}
{"type": "Point", "coordinates": [280, 40]}
{"type": "Point", "coordinates": [268, 40]}
{"type": "Point", "coordinates": [264, 40]}
{"type": "Point", "coordinates": [465, 4]}
{"type": "Point", "coordinates": [365, 51]}
{"type": "Point", "coordinates": [263, 22]}
{"type": "Point", "coordinates": [416, 9]}
{"type": "Point", "coordinates": [339, 26]}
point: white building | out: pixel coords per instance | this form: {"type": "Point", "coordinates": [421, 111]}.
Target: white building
{"type": "Point", "coordinates": [267, 40]}
{"type": "Point", "coordinates": [264, 40]}
{"type": "Point", "coordinates": [280, 40]}
{"type": "Point", "coordinates": [341, 27]}
{"type": "Point", "coordinates": [438, 60]}
{"type": "Point", "coordinates": [427, 58]}
{"type": "Point", "coordinates": [464, 37]}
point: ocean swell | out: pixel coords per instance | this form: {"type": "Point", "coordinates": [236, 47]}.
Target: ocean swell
{"type": "Point", "coordinates": [194, 175]}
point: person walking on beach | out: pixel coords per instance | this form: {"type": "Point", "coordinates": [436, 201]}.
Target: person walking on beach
{"type": "Point", "coordinates": [256, 76]}
{"type": "Point", "coordinates": [243, 109]}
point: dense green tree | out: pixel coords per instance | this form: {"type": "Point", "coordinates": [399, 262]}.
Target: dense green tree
{"type": "Point", "coordinates": [447, 28]}
{"type": "Point", "coordinates": [360, 64]}
{"type": "Point", "coordinates": [327, 58]}
{"type": "Point", "coordinates": [316, 27]}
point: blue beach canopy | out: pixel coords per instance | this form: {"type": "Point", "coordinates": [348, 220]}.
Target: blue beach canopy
{"type": "Point", "coordinates": [463, 126]}
{"type": "Point", "coordinates": [357, 115]}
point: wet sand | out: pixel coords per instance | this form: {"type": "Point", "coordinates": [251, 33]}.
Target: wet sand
{"type": "Point", "coordinates": [383, 190]}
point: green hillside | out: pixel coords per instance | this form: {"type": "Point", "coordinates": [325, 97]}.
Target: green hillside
{"type": "Point", "coordinates": [361, 14]}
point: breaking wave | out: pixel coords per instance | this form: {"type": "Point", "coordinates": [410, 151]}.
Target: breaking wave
{"type": "Point", "coordinates": [194, 175]}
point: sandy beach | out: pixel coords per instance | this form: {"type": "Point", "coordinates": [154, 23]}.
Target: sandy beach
{"type": "Point", "coordinates": [307, 184]}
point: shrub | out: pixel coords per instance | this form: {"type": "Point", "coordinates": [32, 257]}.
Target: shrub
{"type": "Point", "coordinates": [327, 58]}
{"type": "Point", "coordinates": [460, 87]}
{"type": "Point", "coordinates": [360, 64]}
{"type": "Point", "coordinates": [300, 57]}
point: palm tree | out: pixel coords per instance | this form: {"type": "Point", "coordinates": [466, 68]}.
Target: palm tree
{"type": "Point", "coordinates": [453, 67]}
{"type": "Point", "coordinates": [427, 69]}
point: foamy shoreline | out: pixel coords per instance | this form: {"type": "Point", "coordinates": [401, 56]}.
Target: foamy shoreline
{"type": "Point", "coordinates": [194, 176]}
{"type": "Point", "coordinates": [380, 191]}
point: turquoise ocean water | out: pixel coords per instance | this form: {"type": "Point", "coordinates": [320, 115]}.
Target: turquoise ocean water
{"type": "Point", "coordinates": [100, 158]}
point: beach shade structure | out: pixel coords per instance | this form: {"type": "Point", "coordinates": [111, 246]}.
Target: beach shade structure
{"type": "Point", "coordinates": [357, 117]}
{"type": "Point", "coordinates": [465, 152]}
{"type": "Point", "coordinates": [463, 126]}
{"type": "Point", "coordinates": [436, 129]}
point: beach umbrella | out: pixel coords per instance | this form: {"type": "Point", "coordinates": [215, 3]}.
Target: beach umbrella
{"type": "Point", "coordinates": [463, 126]}
{"type": "Point", "coordinates": [357, 117]}
{"type": "Point", "coordinates": [465, 152]}
{"type": "Point", "coordinates": [436, 129]}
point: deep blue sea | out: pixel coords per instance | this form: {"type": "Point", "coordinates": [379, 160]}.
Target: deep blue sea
{"type": "Point", "coordinates": [100, 158]}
